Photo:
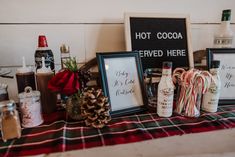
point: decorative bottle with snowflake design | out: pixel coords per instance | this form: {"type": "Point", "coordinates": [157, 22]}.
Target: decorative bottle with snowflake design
{"type": "Point", "coordinates": [165, 91]}
{"type": "Point", "coordinates": [211, 97]}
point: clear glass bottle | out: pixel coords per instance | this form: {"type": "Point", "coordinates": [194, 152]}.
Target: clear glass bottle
{"type": "Point", "coordinates": [211, 97]}
{"type": "Point", "coordinates": [165, 92]}
{"type": "Point", "coordinates": [10, 121]}
{"type": "Point", "coordinates": [64, 54]}
{"type": "Point", "coordinates": [224, 37]}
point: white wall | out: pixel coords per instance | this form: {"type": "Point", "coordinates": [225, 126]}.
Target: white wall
{"type": "Point", "coordinates": [90, 26]}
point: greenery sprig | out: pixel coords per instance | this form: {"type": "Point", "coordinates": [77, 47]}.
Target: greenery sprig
{"type": "Point", "coordinates": [71, 64]}
{"type": "Point", "coordinates": [84, 76]}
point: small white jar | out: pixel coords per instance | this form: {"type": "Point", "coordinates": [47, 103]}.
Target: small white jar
{"type": "Point", "coordinates": [30, 108]}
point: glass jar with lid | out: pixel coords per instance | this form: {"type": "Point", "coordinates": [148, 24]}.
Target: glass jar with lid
{"type": "Point", "coordinates": [10, 122]}
{"type": "Point", "coordinates": [30, 107]}
{"type": "Point", "coordinates": [3, 92]}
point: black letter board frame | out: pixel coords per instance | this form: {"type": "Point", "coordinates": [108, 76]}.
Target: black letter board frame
{"type": "Point", "coordinates": [154, 23]}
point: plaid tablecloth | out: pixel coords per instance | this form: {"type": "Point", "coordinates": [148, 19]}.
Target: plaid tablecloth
{"type": "Point", "coordinates": [58, 134]}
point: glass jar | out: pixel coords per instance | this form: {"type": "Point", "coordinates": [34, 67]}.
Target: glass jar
{"type": "Point", "coordinates": [3, 92]}
{"type": "Point", "coordinates": [152, 78]}
{"type": "Point", "coordinates": [30, 107]}
{"type": "Point", "coordinates": [73, 107]}
{"type": "Point", "coordinates": [10, 122]}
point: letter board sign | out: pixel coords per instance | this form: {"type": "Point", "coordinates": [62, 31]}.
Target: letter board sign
{"type": "Point", "coordinates": [159, 38]}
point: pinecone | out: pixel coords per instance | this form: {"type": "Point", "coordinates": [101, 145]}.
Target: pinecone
{"type": "Point", "coordinates": [95, 108]}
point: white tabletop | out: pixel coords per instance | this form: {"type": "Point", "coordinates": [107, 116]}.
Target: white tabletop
{"type": "Point", "coordinates": [219, 143]}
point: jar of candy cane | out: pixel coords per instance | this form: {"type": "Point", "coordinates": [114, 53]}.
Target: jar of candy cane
{"type": "Point", "coordinates": [30, 108]}
{"type": "Point", "coordinates": [193, 83]}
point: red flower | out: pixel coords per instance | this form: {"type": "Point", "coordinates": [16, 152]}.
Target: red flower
{"type": "Point", "coordinates": [65, 82]}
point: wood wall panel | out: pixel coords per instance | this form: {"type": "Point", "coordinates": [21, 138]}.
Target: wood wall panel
{"type": "Point", "coordinates": [84, 40]}
{"type": "Point", "coordinates": [91, 26]}
{"type": "Point", "coordinates": [106, 11]}
{"type": "Point", "coordinates": [21, 40]}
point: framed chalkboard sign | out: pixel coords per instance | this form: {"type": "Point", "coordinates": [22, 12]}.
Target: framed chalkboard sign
{"type": "Point", "coordinates": [227, 72]}
{"type": "Point", "coordinates": [158, 38]}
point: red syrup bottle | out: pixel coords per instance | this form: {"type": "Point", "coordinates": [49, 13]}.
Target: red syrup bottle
{"type": "Point", "coordinates": [44, 51]}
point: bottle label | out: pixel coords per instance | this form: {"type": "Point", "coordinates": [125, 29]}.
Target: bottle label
{"type": "Point", "coordinates": [211, 97]}
{"type": "Point", "coordinates": [49, 59]}
{"type": "Point", "coordinates": [223, 42]}
{"type": "Point", "coordinates": [63, 61]}
{"type": "Point", "coordinates": [165, 102]}
{"type": "Point", "coordinates": [166, 72]}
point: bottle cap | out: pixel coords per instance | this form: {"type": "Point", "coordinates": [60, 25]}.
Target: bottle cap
{"type": "Point", "coordinates": [24, 69]}
{"type": "Point", "coordinates": [29, 93]}
{"type": "Point", "coordinates": [7, 105]}
{"type": "Point", "coordinates": [3, 86]}
{"type": "Point", "coordinates": [167, 65]}
{"type": "Point", "coordinates": [226, 15]}
{"type": "Point", "coordinates": [64, 48]}
{"type": "Point", "coordinates": [44, 69]}
{"type": "Point", "coordinates": [42, 41]}
{"type": "Point", "coordinates": [215, 64]}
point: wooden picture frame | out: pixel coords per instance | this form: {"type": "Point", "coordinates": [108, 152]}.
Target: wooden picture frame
{"type": "Point", "coordinates": [122, 82]}
{"type": "Point", "coordinates": [227, 72]}
{"type": "Point", "coordinates": [159, 38]}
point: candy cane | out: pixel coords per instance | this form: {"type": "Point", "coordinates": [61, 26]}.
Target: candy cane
{"type": "Point", "coordinates": [208, 80]}
{"type": "Point", "coordinates": [189, 95]}
{"type": "Point", "coordinates": [200, 84]}
{"type": "Point", "coordinates": [194, 107]}
{"type": "Point", "coordinates": [179, 74]}
{"type": "Point", "coordinates": [185, 92]}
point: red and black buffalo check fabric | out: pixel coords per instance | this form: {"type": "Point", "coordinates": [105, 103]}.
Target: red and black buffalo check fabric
{"type": "Point", "coordinates": [58, 134]}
